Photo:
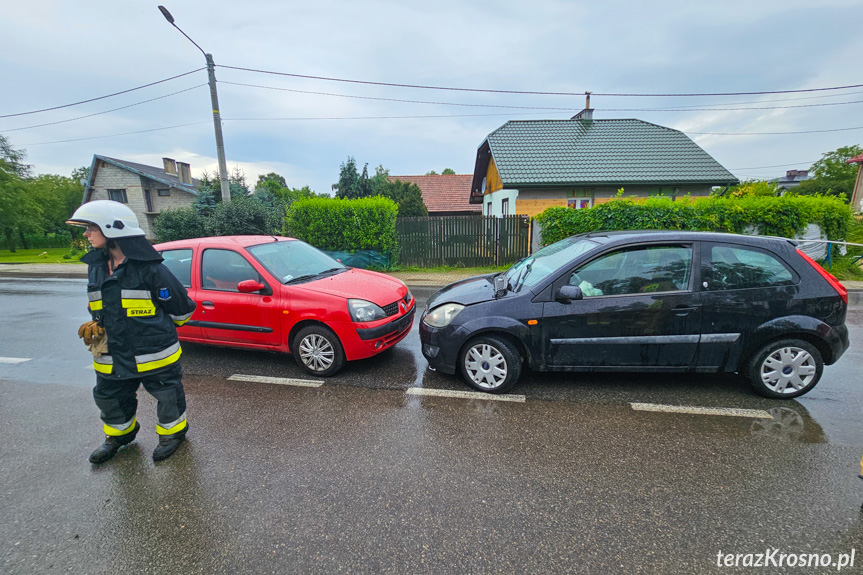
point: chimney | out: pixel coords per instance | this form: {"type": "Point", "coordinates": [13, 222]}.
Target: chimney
{"type": "Point", "coordinates": [170, 166]}
{"type": "Point", "coordinates": [587, 113]}
{"type": "Point", "coordinates": [185, 174]}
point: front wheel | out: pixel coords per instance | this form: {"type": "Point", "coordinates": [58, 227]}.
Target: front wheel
{"type": "Point", "coordinates": [490, 364]}
{"type": "Point", "coordinates": [784, 369]}
{"type": "Point", "coordinates": [318, 351]}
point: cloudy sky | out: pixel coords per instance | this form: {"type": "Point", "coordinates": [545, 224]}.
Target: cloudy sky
{"type": "Point", "coordinates": [62, 52]}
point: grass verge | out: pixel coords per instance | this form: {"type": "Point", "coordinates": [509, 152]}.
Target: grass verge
{"type": "Point", "coordinates": [39, 256]}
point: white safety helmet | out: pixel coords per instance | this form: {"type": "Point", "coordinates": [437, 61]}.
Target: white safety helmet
{"type": "Point", "coordinates": [116, 220]}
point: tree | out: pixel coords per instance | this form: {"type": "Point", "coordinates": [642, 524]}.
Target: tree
{"type": "Point", "coordinates": [351, 184]}
{"type": "Point", "coordinates": [236, 183]}
{"type": "Point", "coordinates": [82, 173]}
{"type": "Point", "coordinates": [12, 159]}
{"type": "Point", "coordinates": [831, 175]}
{"type": "Point", "coordinates": [408, 196]}
{"type": "Point", "coordinates": [272, 182]}
{"type": "Point", "coordinates": [20, 212]}
{"type": "Point", "coordinates": [448, 172]}
{"type": "Point", "coordinates": [354, 185]}
{"type": "Point", "coordinates": [431, 173]}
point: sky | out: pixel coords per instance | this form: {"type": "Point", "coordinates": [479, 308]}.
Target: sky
{"type": "Point", "coordinates": [57, 53]}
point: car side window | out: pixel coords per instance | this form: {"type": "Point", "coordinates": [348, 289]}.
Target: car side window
{"type": "Point", "coordinates": [179, 263]}
{"type": "Point", "coordinates": [222, 270]}
{"type": "Point", "coordinates": [736, 267]}
{"type": "Point", "coordinates": [645, 269]}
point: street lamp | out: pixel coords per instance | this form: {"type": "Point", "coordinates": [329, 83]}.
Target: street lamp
{"type": "Point", "coordinates": [214, 97]}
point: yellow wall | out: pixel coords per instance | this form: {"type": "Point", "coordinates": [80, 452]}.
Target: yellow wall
{"type": "Point", "coordinates": [535, 207]}
{"type": "Point", "coordinates": [493, 182]}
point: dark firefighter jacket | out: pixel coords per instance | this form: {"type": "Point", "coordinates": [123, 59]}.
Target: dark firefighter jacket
{"type": "Point", "coordinates": [139, 307]}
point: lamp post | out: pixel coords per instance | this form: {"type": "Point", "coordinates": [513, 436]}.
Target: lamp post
{"type": "Point", "coordinates": [214, 98]}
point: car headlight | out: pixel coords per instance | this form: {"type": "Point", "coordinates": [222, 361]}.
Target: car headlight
{"type": "Point", "coordinates": [362, 310]}
{"type": "Point", "coordinates": [409, 297]}
{"type": "Point", "coordinates": [441, 316]}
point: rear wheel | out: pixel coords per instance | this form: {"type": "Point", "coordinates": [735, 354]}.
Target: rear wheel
{"type": "Point", "coordinates": [785, 368]}
{"type": "Point", "coordinates": [490, 364]}
{"type": "Point", "coordinates": [318, 351]}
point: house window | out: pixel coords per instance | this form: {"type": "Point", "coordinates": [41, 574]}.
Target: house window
{"type": "Point", "coordinates": [579, 203]}
{"type": "Point", "coordinates": [504, 207]}
{"type": "Point", "coordinates": [118, 196]}
{"type": "Point", "coordinates": [165, 192]}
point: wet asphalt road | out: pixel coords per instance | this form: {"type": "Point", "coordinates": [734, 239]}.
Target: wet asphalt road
{"type": "Point", "coordinates": [358, 476]}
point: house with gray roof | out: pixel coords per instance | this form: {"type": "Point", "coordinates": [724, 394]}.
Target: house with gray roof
{"type": "Point", "coordinates": [527, 166]}
{"type": "Point", "coordinates": [146, 189]}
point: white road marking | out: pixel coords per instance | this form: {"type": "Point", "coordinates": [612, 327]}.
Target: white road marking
{"type": "Point", "coordinates": [14, 359]}
{"type": "Point", "coordinates": [276, 380]}
{"type": "Point", "coordinates": [734, 412]}
{"type": "Point", "coordinates": [464, 394]}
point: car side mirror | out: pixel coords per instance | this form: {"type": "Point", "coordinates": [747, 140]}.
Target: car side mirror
{"type": "Point", "coordinates": [569, 293]}
{"type": "Point", "coordinates": [250, 286]}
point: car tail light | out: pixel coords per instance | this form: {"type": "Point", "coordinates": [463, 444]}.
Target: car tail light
{"type": "Point", "coordinates": [843, 293]}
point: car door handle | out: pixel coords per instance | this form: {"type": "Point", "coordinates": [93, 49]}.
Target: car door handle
{"type": "Point", "coordinates": [208, 304]}
{"type": "Point", "coordinates": [682, 310]}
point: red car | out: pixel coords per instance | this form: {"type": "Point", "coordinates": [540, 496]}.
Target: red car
{"type": "Point", "coordinates": [281, 294]}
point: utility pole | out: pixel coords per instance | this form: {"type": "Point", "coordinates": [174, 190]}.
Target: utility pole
{"type": "Point", "coordinates": [217, 119]}
{"type": "Point", "coordinates": [217, 123]}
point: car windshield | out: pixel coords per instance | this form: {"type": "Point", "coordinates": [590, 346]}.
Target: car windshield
{"type": "Point", "coordinates": [294, 261]}
{"type": "Point", "coordinates": [532, 270]}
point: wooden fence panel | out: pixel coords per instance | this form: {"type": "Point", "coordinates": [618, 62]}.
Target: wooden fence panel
{"type": "Point", "coordinates": [464, 241]}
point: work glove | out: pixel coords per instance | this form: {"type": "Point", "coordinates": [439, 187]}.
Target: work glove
{"type": "Point", "coordinates": [90, 331]}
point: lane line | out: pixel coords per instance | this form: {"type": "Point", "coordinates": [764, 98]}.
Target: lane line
{"type": "Point", "coordinates": [464, 394]}
{"type": "Point", "coordinates": [730, 411]}
{"type": "Point", "coordinates": [14, 359]}
{"type": "Point", "coordinates": [276, 380]}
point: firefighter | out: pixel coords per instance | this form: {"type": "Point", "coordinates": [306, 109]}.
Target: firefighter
{"type": "Point", "coordinates": [136, 304]}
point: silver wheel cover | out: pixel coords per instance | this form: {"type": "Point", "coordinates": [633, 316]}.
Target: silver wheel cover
{"type": "Point", "coordinates": [788, 369]}
{"type": "Point", "coordinates": [316, 352]}
{"type": "Point", "coordinates": [485, 366]}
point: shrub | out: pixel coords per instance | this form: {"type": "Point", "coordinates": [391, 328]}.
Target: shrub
{"type": "Point", "coordinates": [179, 224]}
{"type": "Point", "coordinates": [243, 216]}
{"type": "Point", "coordinates": [776, 216]}
{"type": "Point", "coordinates": [335, 224]}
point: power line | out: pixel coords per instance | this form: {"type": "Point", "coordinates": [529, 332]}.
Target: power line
{"type": "Point", "coordinates": [393, 99]}
{"type": "Point", "coordinates": [770, 133]}
{"type": "Point", "coordinates": [775, 166]}
{"type": "Point", "coordinates": [115, 135]}
{"type": "Point", "coordinates": [105, 112]}
{"type": "Point", "coordinates": [449, 88]}
{"type": "Point", "coordinates": [100, 97]}
{"type": "Point", "coordinates": [675, 109]}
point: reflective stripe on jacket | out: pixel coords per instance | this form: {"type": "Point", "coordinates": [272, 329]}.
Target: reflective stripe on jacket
{"type": "Point", "coordinates": [139, 307]}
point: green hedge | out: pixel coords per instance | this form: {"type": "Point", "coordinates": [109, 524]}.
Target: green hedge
{"type": "Point", "coordinates": [335, 224]}
{"type": "Point", "coordinates": [783, 216]}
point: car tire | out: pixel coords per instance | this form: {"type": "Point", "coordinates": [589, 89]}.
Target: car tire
{"type": "Point", "coordinates": [318, 351]}
{"type": "Point", "coordinates": [785, 368]}
{"type": "Point", "coordinates": [490, 364]}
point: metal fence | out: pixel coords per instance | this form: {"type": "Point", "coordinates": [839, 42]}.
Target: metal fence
{"type": "Point", "coordinates": [466, 241]}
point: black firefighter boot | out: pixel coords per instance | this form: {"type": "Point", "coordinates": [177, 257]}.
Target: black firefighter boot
{"type": "Point", "coordinates": [112, 444]}
{"type": "Point", "coordinates": [168, 444]}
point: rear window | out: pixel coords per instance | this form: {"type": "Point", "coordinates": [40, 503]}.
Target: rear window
{"type": "Point", "coordinates": [735, 267]}
{"type": "Point", "coordinates": [179, 262]}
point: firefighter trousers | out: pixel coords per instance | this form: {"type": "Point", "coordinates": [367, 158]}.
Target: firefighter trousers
{"type": "Point", "coordinates": [118, 401]}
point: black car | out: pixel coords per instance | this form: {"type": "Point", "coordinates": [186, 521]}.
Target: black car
{"type": "Point", "coordinates": [648, 301]}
